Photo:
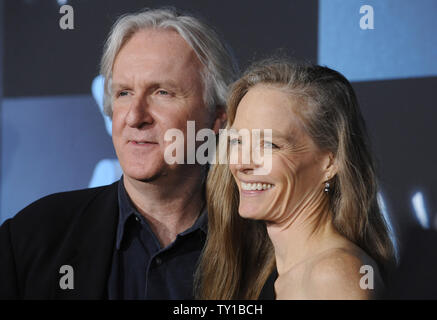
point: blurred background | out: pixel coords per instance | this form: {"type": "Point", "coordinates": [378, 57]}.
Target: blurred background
{"type": "Point", "coordinates": [55, 138]}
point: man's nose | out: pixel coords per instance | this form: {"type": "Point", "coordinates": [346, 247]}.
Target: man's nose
{"type": "Point", "coordinates": [139, 113]}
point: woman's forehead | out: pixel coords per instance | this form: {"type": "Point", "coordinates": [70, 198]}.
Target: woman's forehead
{"type": "Point", "coordinates": [268, 108]}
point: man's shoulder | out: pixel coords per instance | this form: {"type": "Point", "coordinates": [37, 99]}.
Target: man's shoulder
{"type": "Point", "coordinates": [53, 231]}
{"type": "Point", "coordinates": [55, 210]}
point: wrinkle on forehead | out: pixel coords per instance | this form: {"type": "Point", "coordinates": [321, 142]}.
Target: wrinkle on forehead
{"type": "Point", "coordinates": [263, 108]}
{"type": "Point", "coordinates": [149, 47]}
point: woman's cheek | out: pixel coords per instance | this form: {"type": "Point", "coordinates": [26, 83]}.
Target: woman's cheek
{"type": "Point", "coordinates": [281, 205]}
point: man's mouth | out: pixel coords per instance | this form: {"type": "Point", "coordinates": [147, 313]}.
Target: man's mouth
{"type": "Point", "coordinates": [142, 143]}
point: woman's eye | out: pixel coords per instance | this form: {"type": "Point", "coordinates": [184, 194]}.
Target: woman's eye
{"type": "Point", "coordinates": [270, 145]}
{"type": "Point", "coordinates": [234, 141]}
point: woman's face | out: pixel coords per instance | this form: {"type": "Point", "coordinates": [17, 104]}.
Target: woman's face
{"type": "Point", "coordinates": [298, 168]}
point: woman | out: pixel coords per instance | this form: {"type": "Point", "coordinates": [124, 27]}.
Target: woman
{"type": "Point", "coordinates": [315, 215]}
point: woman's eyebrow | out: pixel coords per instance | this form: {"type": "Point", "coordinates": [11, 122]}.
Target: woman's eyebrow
{"type": "Point", "coordinates": [275, 134]}
{"type": "Point", "coordinates": [280, 135]}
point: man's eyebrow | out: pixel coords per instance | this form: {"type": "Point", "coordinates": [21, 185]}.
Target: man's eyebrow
{"type": "Point", "coordinates": [117, 85]}
{"type": "Point", "coordinates": [168, 82]}
{"type": "Point", "coordinates": [155, 84]}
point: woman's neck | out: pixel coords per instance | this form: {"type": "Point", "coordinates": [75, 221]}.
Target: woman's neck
{"type": "Point", "coordinates": [299, 238]}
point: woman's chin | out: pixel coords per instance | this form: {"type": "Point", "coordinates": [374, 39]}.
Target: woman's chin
{"type": "Point", "coordinates": [250, 213]}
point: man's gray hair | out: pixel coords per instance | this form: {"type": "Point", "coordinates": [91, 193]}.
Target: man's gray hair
{"type": "Point", "coordinates": [220, 68]}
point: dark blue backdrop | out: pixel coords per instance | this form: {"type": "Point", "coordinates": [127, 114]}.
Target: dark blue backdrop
{"type": "Point", "coordinates": [53, 135]}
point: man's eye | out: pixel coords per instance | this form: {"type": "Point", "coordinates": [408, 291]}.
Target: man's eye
{"type": "Point", "coordinates": [163, 92]}
{"type": "Point", "coordinates": [123, 93]}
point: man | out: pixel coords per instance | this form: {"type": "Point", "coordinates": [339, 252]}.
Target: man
{"type": "Point", "coordinates": [141, 237]}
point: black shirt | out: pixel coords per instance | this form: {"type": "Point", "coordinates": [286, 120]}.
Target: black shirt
{"type": "Point", "coordinates": [141, 269]}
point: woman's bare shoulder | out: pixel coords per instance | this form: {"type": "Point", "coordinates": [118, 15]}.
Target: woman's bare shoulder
{"type": "Point", "coordinates": [338, 274]}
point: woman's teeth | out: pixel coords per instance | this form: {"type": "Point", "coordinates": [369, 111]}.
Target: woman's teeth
{"type": "Point", "coordinates": [255, 186]}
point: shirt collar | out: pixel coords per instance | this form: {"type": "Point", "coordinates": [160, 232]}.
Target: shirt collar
{"type": "Point", "coordinates": [201, 223]}
{"type": "Point", "coordinates": [127, 210]}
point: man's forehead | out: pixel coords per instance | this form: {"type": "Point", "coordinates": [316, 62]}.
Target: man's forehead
{"type": "Point", "coordinates": [154, 52]}
{"type": "Point", "coordinates": [158, 44]}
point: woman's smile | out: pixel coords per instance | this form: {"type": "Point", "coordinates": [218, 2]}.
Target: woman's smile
{"type": "Point", "coordinates": [250, 189]}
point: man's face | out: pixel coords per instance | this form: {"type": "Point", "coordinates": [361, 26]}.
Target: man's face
{"type": "Point", "coordinates": [156, 85]}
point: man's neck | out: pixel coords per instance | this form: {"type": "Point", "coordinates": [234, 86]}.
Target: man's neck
{"type": "Point", "coordinates": [169, 209]}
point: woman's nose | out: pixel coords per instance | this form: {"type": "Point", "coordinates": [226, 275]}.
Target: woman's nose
{"type": "Point", "coordinates": [244, 159]}
{"type": "Point", "coordinates": [251, 161]}
{"type": "Point", "coordinates": [245, 168]}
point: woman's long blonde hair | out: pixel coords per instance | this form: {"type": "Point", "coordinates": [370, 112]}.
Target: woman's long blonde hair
{"type": "Point", "coordinates": [238, 256]}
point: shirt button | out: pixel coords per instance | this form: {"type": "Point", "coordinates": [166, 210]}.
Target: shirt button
{"type": "Point", "coordinates": [138, 219]}
{"type": "Point", "coordinates": [158, 261]}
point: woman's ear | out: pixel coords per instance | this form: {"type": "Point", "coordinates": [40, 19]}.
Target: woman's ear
{"type": "Point", "coordinates": [330, 166]}
{"type": "Point", "coordinates": [220, 118]}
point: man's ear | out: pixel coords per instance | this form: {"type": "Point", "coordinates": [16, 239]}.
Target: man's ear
{"type": "Point", "coordinates": [220, 118]}
{"type": "Point", "coordinates": [331, 166]}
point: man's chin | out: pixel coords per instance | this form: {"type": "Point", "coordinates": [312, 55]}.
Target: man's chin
{"type": "Point", "coordinates": [146, 176]}
{"type": "Point", "coordinates": [153, 178]}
